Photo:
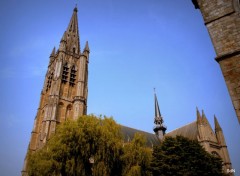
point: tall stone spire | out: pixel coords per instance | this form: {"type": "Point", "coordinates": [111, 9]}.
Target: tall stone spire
{"type": "Point", "coordinates": [159, 128]}
{"type": "Point", "coordinates": [71, 35]}
{"type": "Point", "coordinates": [73, 24]}
{"type": "Point", "coordinates": [53, 52]}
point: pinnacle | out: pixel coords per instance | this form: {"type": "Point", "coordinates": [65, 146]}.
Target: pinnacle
{"type": "Point", "coordinates": [204, 118]}
{"type": "Point", "coordinates": [53, 52]}
{"type": "Point", "coordinates": [217, 126]}
{"type": "Point", "coordinates": [199, 118]}
{"type": "Point", "coordinates": [86, 47]}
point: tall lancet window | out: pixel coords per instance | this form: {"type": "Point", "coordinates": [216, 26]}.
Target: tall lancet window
{"type": "Point", "coordinates": [65, 73]}
{"type": "Point", "coordinates": [72, 76]}
{"type": "Point", "coordinates": [49, 82]}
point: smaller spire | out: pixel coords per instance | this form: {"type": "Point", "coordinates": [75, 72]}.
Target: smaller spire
{"type": "Point", "coordinates": [217, 126]}
{"type": "Point", "coordinates": [203, 114]}
{"type": "Point", "coordinates": [159, 128]}
{"type": "Point", "coordinates": [199, 118]}
{"type": "Point", "coordinates": [53, 52]}
{"type": "Point", "coordinates": [204, 118]}
{"type": "Point", "coordinates": [87, 47]}
{"type": "Point", "coordinates": [157, 109]}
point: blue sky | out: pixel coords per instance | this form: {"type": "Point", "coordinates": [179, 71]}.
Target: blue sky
{"type": "Point", "coordinates": [135, 46]}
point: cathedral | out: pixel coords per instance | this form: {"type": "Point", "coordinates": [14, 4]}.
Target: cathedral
{"type": "Point", "coordinates": [65, 91]}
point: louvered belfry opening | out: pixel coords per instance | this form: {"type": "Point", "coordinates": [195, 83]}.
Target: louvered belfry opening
{"type": "Point", "coordinates": [72, 76]}
{"type": "Point", "coordinates": [65, 73]}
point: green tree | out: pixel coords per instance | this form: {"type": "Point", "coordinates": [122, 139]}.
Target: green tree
{"type": "Point", "coordinates": [136, 157]}
{"type": "Point", "coordinates": [75, 142]}
{"type": "Point", "coordinates": [90, 146]}
{"type": "Point", "coordinates": [181, 156]}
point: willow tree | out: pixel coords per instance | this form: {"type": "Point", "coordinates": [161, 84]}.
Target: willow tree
{"type": "Point", "coordinates": [91, 146]}
{"type": "Point", "coordinates": [88, 146]}
{"type": "Point", "coordinates": [136, 157]}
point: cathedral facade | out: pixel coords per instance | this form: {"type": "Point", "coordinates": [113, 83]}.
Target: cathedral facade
{"type": "Point", "coordinates": [65, 91]}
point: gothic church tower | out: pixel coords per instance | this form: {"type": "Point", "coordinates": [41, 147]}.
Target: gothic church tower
{"type": "Point", "coordinates": [65, 89]}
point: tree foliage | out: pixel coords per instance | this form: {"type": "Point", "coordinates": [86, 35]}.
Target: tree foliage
{"type": "Point", "coordinates": [181, 156]}
{"type": "Point", "coordinates": [136, 157]}
{"type": "Point", "coordinates": [95, 146]}
{"type": "Point", "coordinates": [69, 150]}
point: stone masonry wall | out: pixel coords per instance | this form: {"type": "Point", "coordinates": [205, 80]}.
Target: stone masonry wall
{"type": "Point", "coordinates": [231, 72]}
{"type": "Point", "coordinates": [222, 19]}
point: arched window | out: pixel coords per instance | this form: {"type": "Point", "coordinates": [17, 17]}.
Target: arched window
{"type": "Point", "coordinates": [49, 82]}
{"type": "Point", "coordinates": [65, 73]}
{"type": "Point", "coordinates": [72, 76]}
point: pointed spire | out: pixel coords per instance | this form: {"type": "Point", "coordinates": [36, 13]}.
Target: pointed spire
{"type": "Point", "coordinates": [53, 52]}
{"type": "Point", "coordinates": [87, 47]}
{"type": "Point", "coordinates": [204, 118]}
{"type": "Point", "coordinates": [199, 118]}
{"type": "Point", "coordinates": [157, 109]}
{"type": "Point", "coordinates": [159, 128]}
{"type": "Point", "coordinates": [70, 39]}
{"type": "Point", "coordinates": [217, 126]}
{"type": "Point", "coordinates": [73, 24]}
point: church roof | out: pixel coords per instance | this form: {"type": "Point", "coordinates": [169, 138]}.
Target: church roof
{"type": "Point", "coordinates": [128, 134]}
{"type": "Point", "coordinates": [189, 131]}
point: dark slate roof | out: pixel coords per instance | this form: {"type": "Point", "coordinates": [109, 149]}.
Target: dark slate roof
{"type": "Point", "coordinates": [128, 134]}
{"type": "Point", "coordinates": [189, 131]}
